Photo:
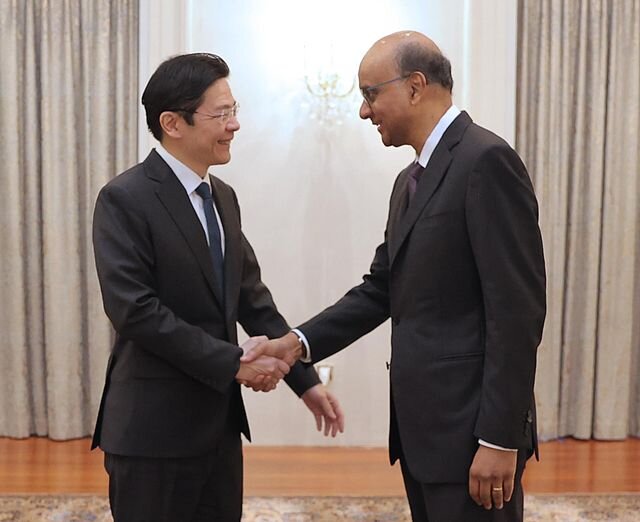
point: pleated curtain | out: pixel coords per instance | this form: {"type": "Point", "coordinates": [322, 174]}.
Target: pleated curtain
{"type": "Point", "coordinates": [578, 130]}
{"type": "Point", "coordinates": [68, 89]}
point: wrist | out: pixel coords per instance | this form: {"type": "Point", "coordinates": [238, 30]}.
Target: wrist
{"type": "Point", "coordinates": [294, 343]}
{"type": "Point", "coordinates": [303, 345]}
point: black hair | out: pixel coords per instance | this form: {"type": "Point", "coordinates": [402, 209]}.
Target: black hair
{"type": "Point", "coordinates": [178, 84]}
{"type": "Point", "coordinates": [414, 57]}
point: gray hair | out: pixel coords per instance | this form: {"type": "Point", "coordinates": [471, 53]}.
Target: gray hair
{"type": "Point", "coordinates": [414, 57]}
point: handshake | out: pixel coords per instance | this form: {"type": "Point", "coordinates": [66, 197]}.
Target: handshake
{"type": "Point", "coordinates": [265, 361]}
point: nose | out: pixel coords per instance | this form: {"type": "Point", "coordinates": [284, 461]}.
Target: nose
{"type": "Point", "coordinates": [365, 110]}
{"type": "Point", "coordinates": [233, 124]}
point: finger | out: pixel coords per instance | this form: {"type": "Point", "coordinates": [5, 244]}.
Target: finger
{"type": "Point", "coordinates": [318, 421]}
{"type": "Point", "coordinates": [474, 490]}
{"type": "Point", "coordinates": [272, 368]}
{"type": "Point", "coordinates": [508, 486]}
{"type": "Point", "coordinates": [497, 492]}
{"type": "Point", "coordinates": [265, 385]}
{"type": "Point", "coordinates": [254, 386]}
{"type": "Point", "coordinates": [253, 353]}
{"type": "Point", "coordinates": [252, 342]}
{"type": "Point", "coordinates": [255, 382]}
{"type": "Point", "coordinates": [327, 408]}
{"type": "Point", "coordinates": [289, 359]}
{"type": "Point", "coordinates": [334, 429]}
{"type": "Point", "coordinates": [269, 388]}
{"type": "Point", "coordinates": [485, 493]}
{"type": "Point", "coordinates": [270, 380]}
{"type": "Point", "coordinates": [279, 373]}
{"type": "Point", "coordinates": [338, 425]}
{"type": "Point", "coordinates": [338, 411]}
{"type": "Point", "coordinates": [284, 367]}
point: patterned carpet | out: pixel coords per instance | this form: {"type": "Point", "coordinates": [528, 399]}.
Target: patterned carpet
{"type": "Point", "coordinates": [538, 508]}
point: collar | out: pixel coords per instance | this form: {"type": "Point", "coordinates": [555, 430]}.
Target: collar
{"type": "Point", "coordinates": [187, 177]}
{"type": "Point", "coordinates": [436, 135]}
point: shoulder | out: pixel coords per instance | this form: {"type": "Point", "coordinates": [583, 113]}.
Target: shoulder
{"type": "Point", "coordinates": [483, 140]}
{"type": "Point", "coordinates": [482, 149]}
{"type": "Point", "coordinates": [129, 178]}
{"type": "Point", "coordinates": [225, 192]}
{"type": "Point", "coordinates": [131, 189]}
{"type": "Point", "coordinates": [220, 186]}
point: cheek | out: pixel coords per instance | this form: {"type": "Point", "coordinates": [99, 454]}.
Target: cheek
{"type": "Point", "coordinates": [394, 120]}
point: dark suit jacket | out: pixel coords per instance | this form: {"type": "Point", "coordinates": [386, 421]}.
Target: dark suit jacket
{"type": "Point", "coordinates": [170, 387]}
{"type": "Point", "coordinates": [461, 274]}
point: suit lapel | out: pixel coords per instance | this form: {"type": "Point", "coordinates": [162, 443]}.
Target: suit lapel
{"type": "Point", "coordinates": [175, 199]}
{"type": "Point", "coordinates": [429, 182]}
{"type": "Point", "coordinates": [397, 209]}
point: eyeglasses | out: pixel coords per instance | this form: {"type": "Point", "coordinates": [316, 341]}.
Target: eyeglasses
{"type": "Point", "coordinates": [369, 93]}
{"type": "Point", "coordinates": [223, 115]}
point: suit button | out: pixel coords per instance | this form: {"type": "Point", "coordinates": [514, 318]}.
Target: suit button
{"type": "Point", "coordinates": [529, 416]}
{"type": "Point", "coordinates": [395, 321]}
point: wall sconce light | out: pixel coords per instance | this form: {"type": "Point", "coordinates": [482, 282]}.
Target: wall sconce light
{"type": "Point", "coordinates": [330, 90]}
{"type": "Point", "coordinates": [330, 95]}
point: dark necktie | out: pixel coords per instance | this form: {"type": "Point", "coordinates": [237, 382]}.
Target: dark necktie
{"type": "Point", "coordinates": [412, 179]}
{"type": "Point", "coordinates": [215, 242]}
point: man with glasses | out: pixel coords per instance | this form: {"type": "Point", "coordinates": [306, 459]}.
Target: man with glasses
{"type": "Point", "coordinates": [177, 274]}
{"type": "Point", "coordinates": [461, 275]}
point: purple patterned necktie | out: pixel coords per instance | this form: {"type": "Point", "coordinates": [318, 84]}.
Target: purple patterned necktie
{"type": "Point", "coordinates": [412, 179]}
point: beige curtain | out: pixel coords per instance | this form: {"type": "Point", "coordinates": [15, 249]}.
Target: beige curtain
{"type": "Point", "coordinates": [578, 130]}
{"type": "Point", "coordinates": [68, 89]}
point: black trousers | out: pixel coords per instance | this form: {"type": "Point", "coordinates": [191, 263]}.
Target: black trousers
{"type": "Point", "coordinates": [452, 502]}
{"type": "Point", "coordinates": [197, 489]}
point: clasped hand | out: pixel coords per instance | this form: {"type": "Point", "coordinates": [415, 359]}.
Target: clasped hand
{"type": "Point", "coordinates": [260, 371]}
{"type": "Point", "coordinates": [286, 348]}
{"type": "Point", "coordinates": [266, 361]}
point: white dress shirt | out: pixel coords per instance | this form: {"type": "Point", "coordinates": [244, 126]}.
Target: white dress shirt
{"type": "Point", "coordinates": [191, 181]}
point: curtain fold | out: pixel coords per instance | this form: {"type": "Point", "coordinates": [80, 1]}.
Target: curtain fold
{"type": "Point", "coordinates": [578, 130]}
{"type": "Point", "coordinates": [68, 120]}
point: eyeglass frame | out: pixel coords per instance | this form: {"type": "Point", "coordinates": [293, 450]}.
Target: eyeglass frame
{"type": "Point", "coordinates": [224, 114]}
{"type": "Point", "coordinates": [366, 91]}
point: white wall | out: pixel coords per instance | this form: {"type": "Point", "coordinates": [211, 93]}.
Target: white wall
{"type": "Point", "coordinates": [314, 197]}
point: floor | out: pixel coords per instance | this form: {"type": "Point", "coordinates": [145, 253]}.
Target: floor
{"type": "Point", "coordinates": [38, 465]}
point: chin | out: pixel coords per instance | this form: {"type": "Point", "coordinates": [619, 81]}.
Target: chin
{"type": "Point", "coordinates": [385, 141]}
{"type": "Point", "coordinates": [223, 159]}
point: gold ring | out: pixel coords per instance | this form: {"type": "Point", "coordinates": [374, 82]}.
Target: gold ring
{"type": "Point", "coordinates": [496, 489]}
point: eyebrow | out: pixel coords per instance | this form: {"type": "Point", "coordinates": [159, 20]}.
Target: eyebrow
{"type": "Point", "coordinates": [224, 106]}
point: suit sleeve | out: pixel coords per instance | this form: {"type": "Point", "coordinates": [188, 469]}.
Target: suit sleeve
{"type": "Point", "coordinates": [502, 220]}
{"type": "Point", "coordinates": [362, 309]}
{"type": "Point", "coordinates": [258, 315]}
{"type": "Point", "coordinates": [124, 260]}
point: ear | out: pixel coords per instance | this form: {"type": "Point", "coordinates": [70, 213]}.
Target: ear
{"type": "Point", "coordinates": [171, 122]}
{"type": "Point", "coordinates": [418, 84]}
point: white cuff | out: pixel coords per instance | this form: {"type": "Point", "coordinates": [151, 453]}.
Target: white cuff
{"type": "Point", "coordinates": [303, 338]}
{"type": "Point", "coordinates": [494, 446]}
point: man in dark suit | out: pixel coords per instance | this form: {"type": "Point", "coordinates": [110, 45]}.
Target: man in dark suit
{"type": "Point", "coordinates": [177, 274]}
{"type": "Point", "coordinates": [461, 275]}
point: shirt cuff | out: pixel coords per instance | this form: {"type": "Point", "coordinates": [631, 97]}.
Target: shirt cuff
{"type": "Point", "coordinates": [494, 446]}
{"type": "Point", "coordinates": [303, 338]}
